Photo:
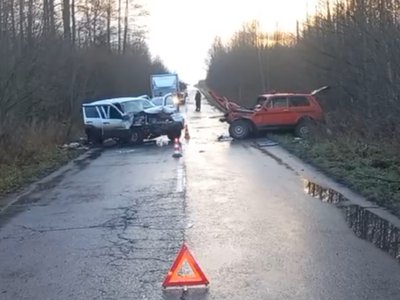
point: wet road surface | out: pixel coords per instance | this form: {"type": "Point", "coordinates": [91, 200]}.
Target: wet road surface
{"type": "Point", "coordinates": [111, 226]}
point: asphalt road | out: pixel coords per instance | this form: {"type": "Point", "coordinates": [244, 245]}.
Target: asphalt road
{"type": "Point", "coordinates": [111, 226]}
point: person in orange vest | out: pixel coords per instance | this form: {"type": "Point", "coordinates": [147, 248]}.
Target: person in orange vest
{"type": "Point", "coordinates": [198, 100]}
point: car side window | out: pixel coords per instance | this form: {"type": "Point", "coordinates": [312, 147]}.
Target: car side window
{"type": "Point", "coordinates": [298, 101]}
{"type": "Point", "coordinates": [103, 111]}
{"type": "Point", "coordinates": [279, 102]}
{"type": "Point", "coordinates": [118, 105]}
{"type": "Point", "coordinates": [114, 114]}
{"type": "Point", "coordinates": [260, 100]}
{"type": "Point", "coordinates": [91, 112]}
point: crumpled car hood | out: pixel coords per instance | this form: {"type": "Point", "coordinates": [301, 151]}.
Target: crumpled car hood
{"type": "Point", "coordinates": [160, 109]}
{"type": "Point", "coordinates": [176, 116]}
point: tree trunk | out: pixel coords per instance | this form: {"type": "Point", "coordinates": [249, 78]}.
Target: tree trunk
{"type": "Point", "coordinates": [45, 17]}
{"type": "Point", "coordinates": [88, 23]}
{"type": "Point", "coordinates": [119, 26]}
{"type": "Point", "coordinates": [73, 21]}
{"type": "Point", "coordinates": [66, 20]}
{"type": "Point", "coordinates": [2, 11]}
{"type": "Point", "coordinates": [109, 25]}
{"type": "Point", "coordinates": [125, 26]}
{"type": "Point", "coordinates": [51, 18]}
{"type": "Point", "coordinates": [30, 24]}
{"type": "Point", "coordinates": [13, 29]}
{"type": "Point", "coordinates": [21, 22]}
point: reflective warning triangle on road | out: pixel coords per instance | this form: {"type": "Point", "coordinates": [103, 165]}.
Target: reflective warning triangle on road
{"type": "Point", "coordinates": [175, 278]}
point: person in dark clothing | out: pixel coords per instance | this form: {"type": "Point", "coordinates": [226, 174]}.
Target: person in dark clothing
{"type": "Point", "coordinates": [198, 100]}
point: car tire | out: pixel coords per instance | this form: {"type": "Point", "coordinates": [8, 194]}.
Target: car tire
{"type": "Point", "coordinates": [174, 135]}
{"type": "Point", "coordinates": [304, 128]}
{"type": "Point", "coordinates": [136, 136]}
{"type": "Point", "coordinates": [240, 130]}
{"type": "Point", "coordinates": [93, 138]}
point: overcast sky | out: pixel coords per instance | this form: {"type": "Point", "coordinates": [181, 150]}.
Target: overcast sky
{"type": "Point", "coordinates": [182, 31]}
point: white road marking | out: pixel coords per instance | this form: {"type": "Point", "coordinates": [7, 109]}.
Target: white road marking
{"type": "Point", "coordinates": [180, 179]}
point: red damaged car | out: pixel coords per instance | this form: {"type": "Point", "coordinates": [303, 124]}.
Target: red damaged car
{"type": "Point", "coordinates": [273, 111]}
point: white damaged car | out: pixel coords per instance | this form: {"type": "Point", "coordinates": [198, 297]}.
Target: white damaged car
{"type": "Point", "coordinates": [130, 119]}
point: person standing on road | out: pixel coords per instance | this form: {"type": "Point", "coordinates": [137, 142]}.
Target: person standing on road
{"type": "Point", "coordinates": [198, 100]}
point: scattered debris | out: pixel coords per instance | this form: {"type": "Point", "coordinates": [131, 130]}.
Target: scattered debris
{"type": "Point", "coordinates": [224, 137]}
{"type": "Point", "coordinates": [109, 142]}
{"type": "Point", "coordinates": [74, 146]}
{"type": "Point", "coordinates": [126, 151]}
{"type": "Point", "coordinates": [266, 143]}
{"type": "Point", "coordinates": [161, 142]}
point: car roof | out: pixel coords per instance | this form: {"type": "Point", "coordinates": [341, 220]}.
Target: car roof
{"type": "Point", "coordinates": [282, 95]}
{"type": "Point", "coordinates": [114, 100]}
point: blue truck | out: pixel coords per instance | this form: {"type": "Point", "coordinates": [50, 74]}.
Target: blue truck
{"type": "Point", "coordinates": [162, 84]}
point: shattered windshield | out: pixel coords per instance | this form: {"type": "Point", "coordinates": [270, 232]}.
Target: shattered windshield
{"type": "Point", "coordinates": [136, 106]}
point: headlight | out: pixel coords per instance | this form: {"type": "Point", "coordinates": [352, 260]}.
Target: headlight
{"type": "Point", "coordinates": [175, 99]}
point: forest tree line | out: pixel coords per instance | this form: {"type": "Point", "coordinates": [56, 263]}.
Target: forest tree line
{"type": "Point", "coordinates": [56, 54]}
{"type": "Point", "coordinates": [350, 45]}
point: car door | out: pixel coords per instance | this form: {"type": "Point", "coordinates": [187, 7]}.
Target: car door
{"type": "Point", "coordinates": [299, 106]}
{"type": "Point", "coordinates": [92, 118]}
{"type": "Point", "coordinates": [169, 103]}
{"type": "Point", "coordinates": [273, 113]}
{"type": "Point", "coordinates": [113, 124]}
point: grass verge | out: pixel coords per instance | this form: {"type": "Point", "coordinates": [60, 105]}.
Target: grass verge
{"type": "Point", "coordinates": [17, 174]}
{"type": "Point", "coordinates": [370, 170]}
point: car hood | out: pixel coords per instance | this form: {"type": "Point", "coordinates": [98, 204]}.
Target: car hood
{"type": "Point", "coordinates": [176, 116]}
{"type": "Point", "coordinates": [160, 109]}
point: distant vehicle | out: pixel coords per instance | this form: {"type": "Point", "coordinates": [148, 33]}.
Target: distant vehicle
{"type": "Point", "coordinates": [169, 100]}
{"type": "Point", "coordinates": [273, 111]}
{"type": "Point", "coordinates": [130, 119]}
{"type": "Point", "coordinates": [163, 84]}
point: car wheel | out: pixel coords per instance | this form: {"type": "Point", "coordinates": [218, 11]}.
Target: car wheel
{"type": "Point", "coordinates": [174, 135]}
{"type": "Point", "coordinates": [303, 128]}
{"type": "Point", "coordinates": [136, 136]}
{"type": "Point", "coordinates": [239, 129]}
{"type": "Point", "coordinates": [93, 138]}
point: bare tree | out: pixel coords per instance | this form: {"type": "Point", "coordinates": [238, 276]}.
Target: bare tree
{"type": "Point", "coordinates": [349, 44]}
{"type": "Point", "coordinates": [125, 40]}
{"type": "Point", "coordinates": [73, 18]}
{"type": "Point", "coordinates": [43, 87]}
{"type": "Point", "coordinates": [66, 19]}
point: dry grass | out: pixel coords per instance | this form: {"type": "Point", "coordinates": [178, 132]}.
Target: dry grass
{"type": "Point", "coordinates": [19, 173]}
{"type": "Point", "coordinates": [31, 152]}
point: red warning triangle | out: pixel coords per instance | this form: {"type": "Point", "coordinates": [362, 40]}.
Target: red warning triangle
{"type": "Point", "coordinates": [174, 278]}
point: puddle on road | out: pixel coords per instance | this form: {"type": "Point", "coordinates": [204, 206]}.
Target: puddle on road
{"type": "Point", "coordinates": [324, 194]}
{"type": "Point", "coordinates": [371, 227]}
{"type": "Point", "coordinates": [362, 220]}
